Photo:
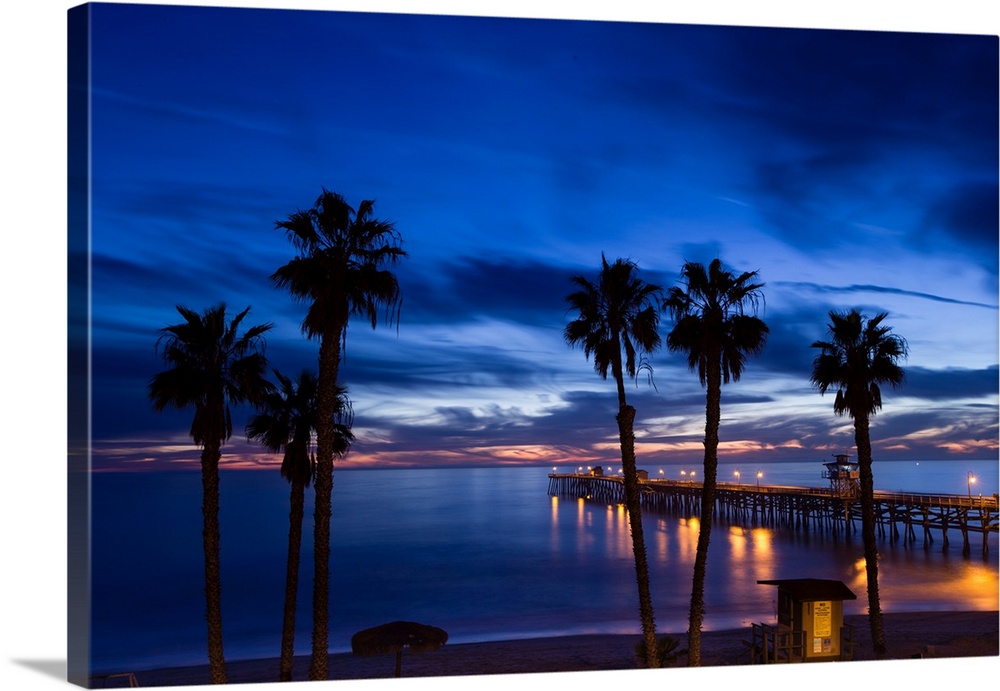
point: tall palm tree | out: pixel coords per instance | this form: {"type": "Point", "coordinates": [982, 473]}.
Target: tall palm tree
{"type": "Point", "coordinates": [286, 420]}
{"type": "Point", "coordinates": [861, 356]}
{"type": "Point", "coordinates": [619, 313]}
{"type": "Point", "coordinates": [212, 366]}
{"type": "Point", "coordinates": [339, 271]}
{"type": "Point", "coordinates": [712, 327]}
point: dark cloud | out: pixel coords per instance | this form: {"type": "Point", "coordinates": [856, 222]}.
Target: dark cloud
{"type": "Point", "coordinates": [950, 384]}
{"type": "Point", "coordinates": [842, 110]}
{"type": "Point", "coordinates": [787, 351]}
{"type": "Point", "coordinates": [521, 290]}
{"type": "Point", "coordinates": [966, 217]}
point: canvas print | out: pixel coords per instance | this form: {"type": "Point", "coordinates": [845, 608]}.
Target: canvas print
{"type": "Point", "coordinates": [425, 346]}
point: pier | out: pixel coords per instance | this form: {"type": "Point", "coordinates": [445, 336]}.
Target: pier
{"type": "Point", "coordinates": [835, 509]}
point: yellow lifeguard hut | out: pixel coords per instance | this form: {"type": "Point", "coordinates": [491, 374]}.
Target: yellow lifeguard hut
{"type": "Point", "coordinates": [810, 626]}
{"type": "Point", "coordinates": [844, 476]}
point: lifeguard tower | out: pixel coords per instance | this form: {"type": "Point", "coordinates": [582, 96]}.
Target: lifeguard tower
{"type": "Point", "coordinates": [844, 476]}
{"type": "Point", "coordinates": [810, 626]}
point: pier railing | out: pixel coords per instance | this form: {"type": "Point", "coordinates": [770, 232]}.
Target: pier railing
{"type": "Point", "coordinates": [898, 515]}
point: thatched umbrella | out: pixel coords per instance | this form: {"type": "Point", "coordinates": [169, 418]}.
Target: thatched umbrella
{"type": "Point", "coordinates": [397, 636]}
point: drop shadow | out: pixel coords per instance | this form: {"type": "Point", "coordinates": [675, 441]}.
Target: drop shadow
{"type": "Point", "coordinates": [57, 669]}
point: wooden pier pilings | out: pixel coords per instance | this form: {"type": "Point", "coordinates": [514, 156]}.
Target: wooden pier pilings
{"type": "Point", "coordinates": [898, 515]}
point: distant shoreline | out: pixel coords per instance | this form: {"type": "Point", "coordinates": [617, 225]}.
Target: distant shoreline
{"type": "Point", "coordinates": [908, 634]}
{"type": "Point", "coordinates": [193, 466]}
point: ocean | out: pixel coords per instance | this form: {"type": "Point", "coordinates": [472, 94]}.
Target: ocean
{"type": "Point", "coordinates": [484, 553]}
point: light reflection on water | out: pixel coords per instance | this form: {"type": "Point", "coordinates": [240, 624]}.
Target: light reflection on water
{"type": "Point", "coordinates": [485, 554]}
{"type": "Point", "coordinates": [911, 577]}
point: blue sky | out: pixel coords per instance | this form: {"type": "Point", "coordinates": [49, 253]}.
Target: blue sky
{"type": "Point", "coordinates": [34, 297]}
{"type": "Point", "coordinates": [850, 168]}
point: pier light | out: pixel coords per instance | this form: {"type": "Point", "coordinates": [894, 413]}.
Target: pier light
{"type": "Point", "coordinates": [737, 474]}
{"type": "Point", "coordinates": [759, 476]}
{"type": "Point", "coordinates": [683, 473]}
{"type": "Point", "coordinates": [970, 479]}
{"type": "Point", "coordinates": [691, 475]}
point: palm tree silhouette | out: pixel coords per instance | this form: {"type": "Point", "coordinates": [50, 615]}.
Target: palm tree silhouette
{"type": "Point", "coordinates": [861, 356]}
{"type": "Point", "coordinates": [286, 420]}
{"type": "Point", "coordinates": [212, 366]}
{"type": "Point", "coordinates": [712, 328]}
{"type": "Point", "coordinates": [620, 313]}
{"type": "Point", "coordinates": [339, 272]}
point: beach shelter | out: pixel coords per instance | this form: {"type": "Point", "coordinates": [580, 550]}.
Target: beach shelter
{"type": "Point", "coordinates": [814, 607]}
{"type": "Point", "coordinates": [397, 636]}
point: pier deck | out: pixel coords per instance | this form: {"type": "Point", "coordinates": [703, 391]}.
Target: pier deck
{"type": "Point", "coordinates": [898, 515]}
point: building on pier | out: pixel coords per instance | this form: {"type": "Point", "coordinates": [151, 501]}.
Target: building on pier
{"type": "Point", "coordinates": [844, 477]}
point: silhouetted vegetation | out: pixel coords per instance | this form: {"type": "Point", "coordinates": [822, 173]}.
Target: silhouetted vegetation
{"type": "Point", "coordinates": [712, 328]}
{"type": "Point", "coordinates": [211, 366]}
{"type": "Point", "coordinates": [667, 652]}
{"type": "Point", "coordinates": [339, 271]}
{"type": "Point", "coordinates": [342, 269]}
{"type": "Point", "coordinates": [620, 313]}
{"type": "Point", "coordinates": [285, 421]}
{"type": "Point", "coordinates": [861, 356]}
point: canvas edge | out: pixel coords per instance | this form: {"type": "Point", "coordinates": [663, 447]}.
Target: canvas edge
{"type": "Point", "coordinates": [78, 24]}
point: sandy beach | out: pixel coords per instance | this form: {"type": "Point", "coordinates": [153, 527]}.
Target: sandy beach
{"type": "Point", "coordinates": [910, 636]}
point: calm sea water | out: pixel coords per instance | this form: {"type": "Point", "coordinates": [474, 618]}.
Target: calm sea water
{"type": "Point", "coordinates": [484, 553]}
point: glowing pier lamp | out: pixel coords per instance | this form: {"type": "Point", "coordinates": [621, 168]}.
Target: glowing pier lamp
{"type": "Point", "coordinates": [759, 476]}
{"type": "Point", "coordinates": [970, 478]}
{"type": "Point", "coordinates": [737, 474]}
{"type": "Point", "coordinates": [683, 473]}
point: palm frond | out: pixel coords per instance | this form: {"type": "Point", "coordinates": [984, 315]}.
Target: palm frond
{"type": "Point", "coordinates": [620, 308]}
{"type": "Point", "coordinates": [861, 356]}
{"type": "Point", "coordinates": [340, 266]}
{"type": "Point", "coordinates": [710, 318]}
{"type": "Point", "coordinates": [211, 365]}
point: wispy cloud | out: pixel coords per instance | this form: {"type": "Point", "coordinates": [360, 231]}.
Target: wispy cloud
{"type": "Point", "coordinates": [886, 290]}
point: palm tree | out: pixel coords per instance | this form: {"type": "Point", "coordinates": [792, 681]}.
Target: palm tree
{"type": "Point", "coordinates": [286, 420]}
{"type": "Point", "coordinates": [620, 313]}
{"type": "Point", "coordinates": [339, 271]}
{"type": "Point", "coordinates": [861, 356]}
{"type": "Point", "coordinates": [212, 365]}
{"type": "Point", "coordinates": [711, 326]}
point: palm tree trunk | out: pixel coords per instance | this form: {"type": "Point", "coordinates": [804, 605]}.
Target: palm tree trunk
{"type": "Point", "coordinates": [326, 400]}
{"type": "Point", "coordinates": [210, 540]}
{"type": "Point", "coordinates": [863, 441]}
{"type": "Point", "coordinates": [626, 438]}
{"type": "Point", "coordinates": [295, 516]}
{"type": "Point", "coordinates": [713, 403]}
{"type": "Point", "coordinates": [626, 435]}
